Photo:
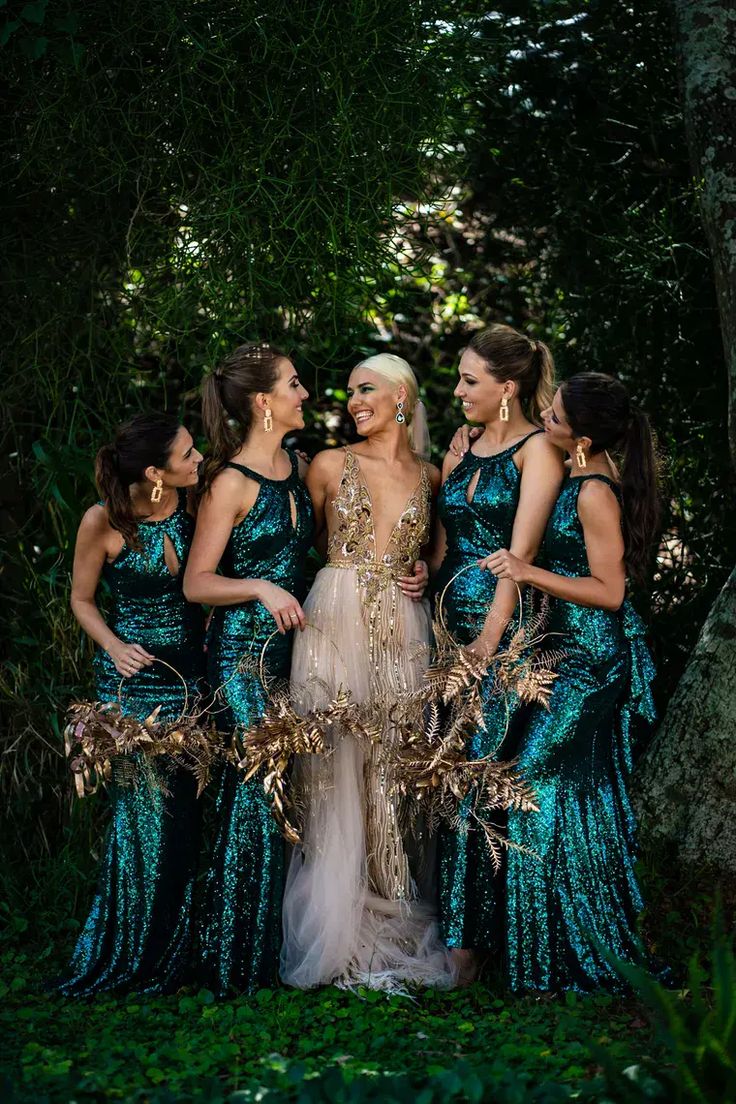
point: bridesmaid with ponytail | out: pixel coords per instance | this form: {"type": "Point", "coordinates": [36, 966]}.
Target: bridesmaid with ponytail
{"type": "Point", "coordinates": [137, 934]}
{"type": "Point", "coordinates": [255, 524]}
{"type": "Point", "coordinates": [497, 493]}
{"type": "Point", "coordinates": [576, 902]}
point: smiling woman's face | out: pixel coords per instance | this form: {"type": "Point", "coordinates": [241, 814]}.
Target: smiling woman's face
{"type": "Point", "coordinates": [372, 400]}
{"type": "Point", "coordinates": [478, 390]}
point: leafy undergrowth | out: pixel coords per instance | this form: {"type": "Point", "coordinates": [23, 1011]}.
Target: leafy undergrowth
{"type": "Point", "coordinates": [284, 1045]}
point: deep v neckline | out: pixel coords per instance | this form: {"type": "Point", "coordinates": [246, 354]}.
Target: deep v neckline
{"type": "Point", "coordinates": [407, 506]}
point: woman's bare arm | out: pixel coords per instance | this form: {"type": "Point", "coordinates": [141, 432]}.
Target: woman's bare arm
{"type": "Point", "coordinates": [95, 542]}
{"type": "Point", "coordinates": [605, 587]}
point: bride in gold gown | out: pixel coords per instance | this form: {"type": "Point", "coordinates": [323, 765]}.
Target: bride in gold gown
{"type": "Point", "coordinates": [358, 908]}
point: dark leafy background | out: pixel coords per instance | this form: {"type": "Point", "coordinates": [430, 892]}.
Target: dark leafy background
{"type": "Point", "coordinates": [339, 178]}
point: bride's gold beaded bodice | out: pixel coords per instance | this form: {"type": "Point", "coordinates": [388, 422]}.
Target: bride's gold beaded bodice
{"type": "Point", "coordinates": [352, 542]}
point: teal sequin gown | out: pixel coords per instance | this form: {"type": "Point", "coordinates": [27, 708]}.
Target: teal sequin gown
{"type": "Point", "coordinates": [138, 932]}
{"type": "Point", "coordinates": [577, 757]}
{"type": "Point", "coordinates": [241, 925]}
{"type": "Point", "coordinates": [469, 908]}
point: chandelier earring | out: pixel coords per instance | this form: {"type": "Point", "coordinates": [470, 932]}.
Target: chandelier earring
{"type": "Point", "coordinates": [400, 418]}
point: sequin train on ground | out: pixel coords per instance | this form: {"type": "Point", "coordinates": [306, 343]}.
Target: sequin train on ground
{"type": "Point", "coordinates": [138, 932]}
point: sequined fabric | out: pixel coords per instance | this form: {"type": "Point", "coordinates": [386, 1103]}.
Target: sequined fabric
{"type": "Point", "coordinates": [241, 921]}
{"type": "Point", "coordinates": [470, 909]}
{"type": "Point", "coordinates": [138, 932]}
{"type": "Point", "coordinates": [581, 890]}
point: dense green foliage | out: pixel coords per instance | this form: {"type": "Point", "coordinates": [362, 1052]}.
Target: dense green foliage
{"type": "Point", "coordinates": [183, 176]}
{"type": "Point", "coordinates": [180, 176]}
{"type": "Point", "coordinates": [469, 1045]}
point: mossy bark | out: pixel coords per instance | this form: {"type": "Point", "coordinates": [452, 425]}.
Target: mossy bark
{"type": "Point", "coordinates": [686, 793]}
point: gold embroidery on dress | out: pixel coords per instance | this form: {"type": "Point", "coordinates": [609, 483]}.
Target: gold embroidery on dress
{"type": "Point", "coordinates": [352, 544]}
{"type": "Point", "coordinates": [353, 541]}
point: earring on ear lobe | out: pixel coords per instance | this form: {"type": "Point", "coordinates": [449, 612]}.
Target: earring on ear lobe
{"type": "Point", "coordinates": [158, 490]}
{"type": "Point", "coordinates": [400, 413]}
{"type": "Point", "coordinates": [504, 415]}
{"type": "Point", "coordinates": [580, 457]}
{"type": "Point", "coordinates": [267, 420]}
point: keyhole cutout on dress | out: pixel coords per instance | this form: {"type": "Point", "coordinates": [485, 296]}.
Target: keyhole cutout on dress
{"type": "Point", "coordinates": [170, 557]}
{"type": "Point", "coordinates": [472, 486]}
{"type": "Point", "coordinates": [292, 509]}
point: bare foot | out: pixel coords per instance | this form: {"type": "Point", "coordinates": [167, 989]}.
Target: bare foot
{"type": "Point", "coordinates": [466, 964]}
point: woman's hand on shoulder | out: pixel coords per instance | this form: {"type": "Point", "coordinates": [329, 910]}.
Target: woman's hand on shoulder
{"type": "Point", "coordinates": [463, 438]}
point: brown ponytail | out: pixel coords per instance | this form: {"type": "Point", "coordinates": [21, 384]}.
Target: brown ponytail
{"type": "Point", "coordinates": [227, 406]}
{"type": "Point", "coordinates": [544, 392]}
{"type": "Point", "coordinates": [598, 406]}
{"type": "Point", "coordinates": [145, 441]}
{"type": "Point", "coordinates": [510, 355]}
{"type": "Point", "coordinates": [639, 485]}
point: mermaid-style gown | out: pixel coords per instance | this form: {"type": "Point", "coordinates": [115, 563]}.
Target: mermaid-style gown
{"type": "Point", "coordinates": [581, 893]}
{"type": "Point", "coordinates": [352, 908]}
{"type": "Point", "coordinates": [470, 914]}
{"type": "Point", "coordinates": [241, 924]}
{"type": "Point", "coordinates": [138, 932]}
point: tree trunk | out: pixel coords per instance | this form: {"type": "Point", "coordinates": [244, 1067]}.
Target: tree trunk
{"type": "Point", "coordinates": [686, 791]}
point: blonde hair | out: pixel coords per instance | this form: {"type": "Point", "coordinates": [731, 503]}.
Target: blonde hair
{"type": "Point", "coordinates": [399, 372]}
{"type": "Point", "coordinates": [510, 355]}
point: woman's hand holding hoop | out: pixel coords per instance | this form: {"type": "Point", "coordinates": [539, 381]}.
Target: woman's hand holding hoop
{"type": "Point", "coordinates": [504, 565]}
{"type": "Point", "coordinates": [283, 607]}
{"type": "Point", "coordinates": [129, 659]}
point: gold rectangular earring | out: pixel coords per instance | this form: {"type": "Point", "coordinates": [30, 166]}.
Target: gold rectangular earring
{"type": "Point", "coordinates": [267, 420]}
{"type": "Point", "coordinates": [505, 408]}
{"type": "Point", "coordinates": [158, 490]}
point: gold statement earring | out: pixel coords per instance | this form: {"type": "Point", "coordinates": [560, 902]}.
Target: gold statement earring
{"type": "Point", "coordinates": [505, 408]}
{"type": "Point", "coordinates": [580, 457]}
{"type": "Point", "coordinates": [267, 420]}
{"type": "Point", "coordinates": [158, 490]}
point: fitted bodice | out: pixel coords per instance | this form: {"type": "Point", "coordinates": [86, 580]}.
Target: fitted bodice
{"type": "Point", "coordinates": [563, 547]}
{"type": "Point", "coordinates": [479, 527]}
{"type": "Point", "coordinates": [269, 543]}
{"type": "Point", "coordinates": [138, 577]}
{"type": "Point", "coordinates": [353, 539]}
{"type": "Point", "coordinates": [149, 608]}
{"type": "Point", "coordinates": [475, 529]}
{"type": "Point", "coordinates": [596, 632]}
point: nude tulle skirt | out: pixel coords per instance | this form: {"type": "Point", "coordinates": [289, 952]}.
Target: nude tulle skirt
{"type": "Point", "coordinates": [358, 906]}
